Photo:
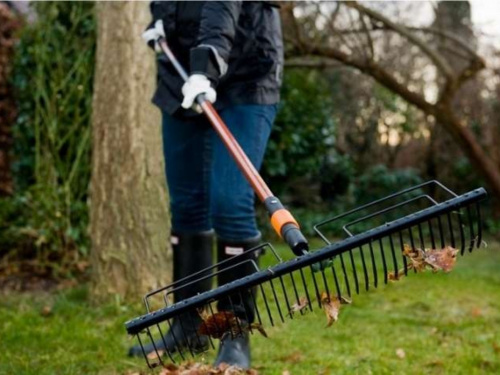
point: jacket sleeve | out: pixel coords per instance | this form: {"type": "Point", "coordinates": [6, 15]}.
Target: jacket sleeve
{"type": "Point", "coordinates": [215, 38]}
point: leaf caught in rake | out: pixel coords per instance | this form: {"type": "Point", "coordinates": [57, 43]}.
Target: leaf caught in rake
{"type": "Point", "coordinates": [222, 323]}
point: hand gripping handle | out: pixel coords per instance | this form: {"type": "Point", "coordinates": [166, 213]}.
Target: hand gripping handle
{"type": "Point", "coordinates": [281, 219]}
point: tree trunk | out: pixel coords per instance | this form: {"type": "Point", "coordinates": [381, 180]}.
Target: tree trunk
{"type": "Point", "coordinates": [129, 205]}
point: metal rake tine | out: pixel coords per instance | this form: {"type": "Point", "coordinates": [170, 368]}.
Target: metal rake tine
{"type": "Point", "coordinates": [154, 346]}
{"type": "Point", "coordinates": [185, 337]}
{"type": "Point", "coordinates": [256, 309]}
{"type": "Point", "coordinates": [228, 324]}
{"type": "Point", "coordinates": [286, 297]}
{"type": "Point", "coordinates": [346, 278]}
{"type": "Point", "coordinates": [305, 289]}
{"type": "Point", "coordinates": [421, 236]}
{"type": "Point", "coordinates": [431, 234]}
{"type": "Point", "coordinates": [354, 272]}
{"type": "Point", "coordinates": [295, 291]}
{"type": "Point", "coordinates": [471, 230]}
{"type": "Point", "coordinates": [267, 305]}
{"type": "Point", "coordinates": [383, 260]}
{"type": "Point", "coordinates": [164, 343]}
{"type": "Point", "coordinates": [335, 279]}
{"type": "Point", "coordinates": [365, 271]}
{"type": "Point", "coordinates": [318, 296]}
{"type": "Point", "coordinates": [276, 301]}
{"type": "Point", "coordinates": [394, 260]}
{"type": "Point", "coordinates": [479, 226]}
{"type": "Point", "coordinates": [402, 245]}
{"type": "Point", "coordinates": [412, 243]}
{"type": "Point", "coordinates": [237, 319]}
{"type": "Point", "coordinates": [374, 265]}
{"type": "Point", "coordinates": [325, 283]}
{"type": "Point", "coordinates": [462, 233]}
{"type": "Point", "coordinates": [179, 348]}
{"type": "Point", "coordinates": [441, 232]}
{"type": "Point", "coordinates": [245, 311]}
{"type": "Point", "coordinates": [450, 228]}
{"type": "Point", "coordinates": [143, 351]}
{"type": "Point", "coordinates": [195, 328]}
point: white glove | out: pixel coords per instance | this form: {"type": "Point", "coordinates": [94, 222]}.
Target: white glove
{"type": "Point", "coordinates": [152, 35]}
{"type": "Point", "coordinates": [195, 85]}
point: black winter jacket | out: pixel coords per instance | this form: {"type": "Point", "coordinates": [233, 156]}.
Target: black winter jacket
{"type": "Point", "coordinates": [237, 44]}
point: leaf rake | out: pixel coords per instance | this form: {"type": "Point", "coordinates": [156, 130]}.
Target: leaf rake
{"type": "Point", "coordinates": [373, 252]}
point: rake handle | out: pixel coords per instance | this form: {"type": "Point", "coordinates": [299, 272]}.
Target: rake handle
{"type": "Point", "coordinates": [282, 220]}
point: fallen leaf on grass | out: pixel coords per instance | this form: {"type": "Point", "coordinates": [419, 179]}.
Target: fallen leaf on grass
{"type": "Point", "coordinates": [285, 372]}
{"type": "Point", "coordinates": [46, 310]}
{"type": "Point", "coordinates": [294, 357]}
{"type": "Point", "coordinates": [400, 353]}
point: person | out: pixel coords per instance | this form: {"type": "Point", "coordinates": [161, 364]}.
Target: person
{"type": "Point", "coordinates": [234, 53]}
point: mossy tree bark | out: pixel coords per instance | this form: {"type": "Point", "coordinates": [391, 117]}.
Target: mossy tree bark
{"type": "Point", "coordinates": [129, 203]}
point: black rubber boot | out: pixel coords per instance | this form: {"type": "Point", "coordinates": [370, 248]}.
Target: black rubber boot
{"type": "Point", "coordinates": [191, 253]}
{"type": "Point", "coordinates": [235, 350]}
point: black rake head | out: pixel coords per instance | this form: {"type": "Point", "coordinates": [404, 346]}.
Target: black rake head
{"type": "Point", "coordinates": [372, 253]}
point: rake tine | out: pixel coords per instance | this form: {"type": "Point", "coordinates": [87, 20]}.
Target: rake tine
{"type": "Point", "coordinates": [421, 236]}
{"type": "Point", "coordinates": [383, 260]}
{"type": "Point", "coordinates": [471, 229]}
{"type": "Point", "coordinates": [255, 306]}
{"type": "Point", "coordinates": [431, 233]}
{"type": "Point", "coordinates": [227, 321]}
{"type": "Point", "coordinates": [154, 346]}
{"type": "Point", "coordinates": [286, 296]}
{"type": "Point", "coordinates": [318, 295]}
{"type": "Point", "coordinates": [175, 340]}
{"type": "Point", "coordinates": [412, 243]}
{"type": "Point", "coordinates": [144, 352]}
{"type": "Point", "coordinates": [441, 233]}
{"type": "Point", "coordinates": [295, 291]}
{"type": "Point", "coordinates": [164, 343]}
{"type": "Point", "coordinates": [450, 228]}
{"type": "Point", "coordinates": [462, 234]}
{"type": "Point", "coordinates": [185, 337]}
{"type": "Point", "coordinates": [195, 330]}
{"type": "Point", "coordinates": [394, 260]}
{"type": "Point", "coordinates": [237, 319]}
{"type": "Point", "coordinates": [356, 282]}
{"type": "Point", "coordinates": [479, 226]}
{"type": "Point", "coordinates": [276, 301]}
{"type": "Point", "coordinates": [374, 265]}
{"type": "Point", "coordinates": [405, 263]}
{"type": "Point", "coordinates": [305, 289]}
{"type": "Point", "coordinates": [365, 271]}
{"type": "Point", "coordinates": [346, 279]}
{"type": "Point", "coordinates": [327, 289]}
{"type": "Point", "coordinates": [246, 313]}
{"type": "Point", "coordinates": [335, 279]}
{"type": "Point", "coordinates": [267, 305]}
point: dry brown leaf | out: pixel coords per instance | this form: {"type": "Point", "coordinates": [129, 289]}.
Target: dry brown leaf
{"type": "Point", "coordinates": [300, 305]}
{"type": "Point", "coordinates": [259, 328]}
{"type": "Point", "coordinates": [46, 310]}
{"type": "Point", "coordinates": [416, 256]}
{"type": "Point", "coordinates": [294, 357]}
{"type": "Point", "coordinates": [331, 305]}
{"type": "Point", "coordinates": [225, 322]}
{"type": "Point", "coordinates": [400, 353]}
{"type": "Point", "coordinates": [443, 259]}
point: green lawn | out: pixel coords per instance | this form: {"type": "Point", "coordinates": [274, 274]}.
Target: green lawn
{"type": "Point", "coordinates": [443, 323]}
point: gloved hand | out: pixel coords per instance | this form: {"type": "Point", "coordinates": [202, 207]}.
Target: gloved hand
{"type": "Point", "coordinates": [195, 85]}
{"type": "Point", "coordinates": [150, 36]}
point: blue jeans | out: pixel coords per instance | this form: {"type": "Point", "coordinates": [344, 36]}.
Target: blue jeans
{"type": "Point", "coordinates": [207, 190]}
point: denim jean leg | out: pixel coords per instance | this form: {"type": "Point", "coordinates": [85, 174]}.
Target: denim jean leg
{"type": "Point", "coordinates": [232, 198]}
{"type": "Point", "coordinates": [187, 151]}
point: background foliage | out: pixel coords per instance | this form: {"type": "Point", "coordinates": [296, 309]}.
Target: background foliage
{"type": "Point", "coordinates": [46, 220]}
